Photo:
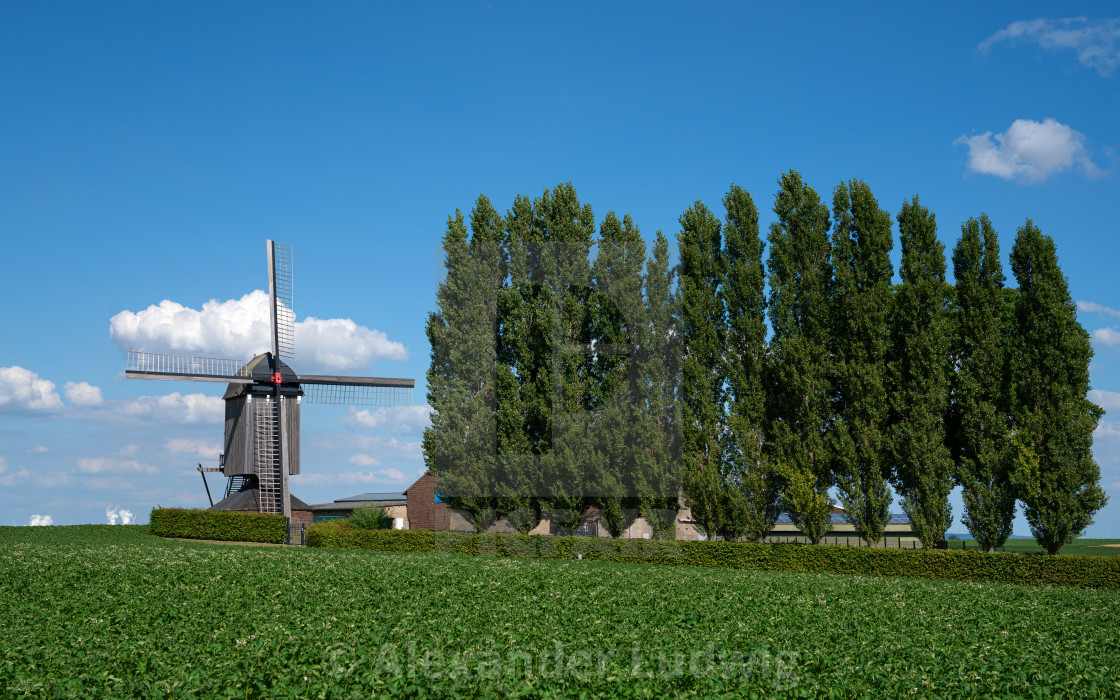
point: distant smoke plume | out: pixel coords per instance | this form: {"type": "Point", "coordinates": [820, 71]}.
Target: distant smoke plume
{"type": "Point", "coordinates": [118, 513]}
{"type": "Point", "coordinates": [40, 520]}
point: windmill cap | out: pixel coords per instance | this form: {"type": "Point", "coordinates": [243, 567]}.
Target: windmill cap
{"type": "Point", "coordinates": [260, 369]}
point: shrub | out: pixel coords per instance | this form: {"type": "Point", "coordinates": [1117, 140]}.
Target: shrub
{"type": "Point", "coordinates": [370, 518]}
{"type": "Point", "coordinates": [970, 565]}
{"type": "Point", "coordinates": [231, 526]}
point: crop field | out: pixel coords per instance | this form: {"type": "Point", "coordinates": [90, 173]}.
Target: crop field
{"type": "Point", "coordinates": [1084, 547]}
{"type": "Point", "coordinates": [109, 611]}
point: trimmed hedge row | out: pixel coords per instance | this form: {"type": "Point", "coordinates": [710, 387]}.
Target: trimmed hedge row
{"type": "Point", "coordinates": [232, 526]}
{"type": "Point", "coordinates": [1003, 567]}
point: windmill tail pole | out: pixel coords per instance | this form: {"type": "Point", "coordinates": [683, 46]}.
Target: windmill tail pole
{"type": "Point", "coordinates": [208, 496]}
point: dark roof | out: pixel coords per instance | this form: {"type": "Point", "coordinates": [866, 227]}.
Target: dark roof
{"type": "Point", "coordinates": [838, 518]}
{"type": "Point", "coordinates": [395, 496]}
{"type": "Point", "coordinates": [247, 500]}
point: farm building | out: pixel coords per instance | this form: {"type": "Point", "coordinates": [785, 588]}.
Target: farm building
{"type": "Point", "coordinates": [393, 503]}
{"type": "Point", "coordinates": [425, 511]}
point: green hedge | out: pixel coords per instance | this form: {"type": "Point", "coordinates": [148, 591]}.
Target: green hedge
{"type": "Point", "coordinates": [1028, 569]}
{"type": "Point", "coordinates": [232, 526]}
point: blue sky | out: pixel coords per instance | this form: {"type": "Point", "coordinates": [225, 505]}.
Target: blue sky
{"type": "Point", "coordinates": [148, 150]}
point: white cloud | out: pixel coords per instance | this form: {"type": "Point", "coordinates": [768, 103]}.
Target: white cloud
{"type": "Point", "coordinates": [1096, 42]}
{"type": "Point", "coordinates": [239, 329]}
{"type": "Point", "coordinates": [22, 389]}
{"type": "Point", "coordinates": [1106, 336]}
{"type": "Point", "coordinates": [102, 465]}
{"type": "Point", "coordinates": [11, 479]}
{"type": "Point", "coordinates": [52, 479]}
{"type": "Point", "coordinates": [201, 448]}
{"type": "Point", "coordinates": [83, 394]}
{"type": "Point", "coordinates": [175, 408]}
{"type": "Point", "coordinates": [1029, 151]}
{"type": "Point", "coordinates": [115, 513]}
{"type": "Point", "coordinates": [381, 476]}
{"type": "Point", "coordinates": [1094, 308]}
{"type": "Point", "coordinates": [380, 446]}
{"type": "Point", "coordinates": [1107, 429]}
{"type": "Point", "coordinates": [400, 419]}
{"type": "Point", "coordinates": [128, 450]}
{"type": "Point", "coordinates": [39, 449]}
{"type": "Point", "coordinates": [364, 461]}
{"type": "Point", "coordinates": [1108, 400]}
{"type": "Point", "coordinates": [36, 520]}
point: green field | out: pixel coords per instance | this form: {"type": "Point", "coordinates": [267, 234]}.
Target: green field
{"type": "Point", "coordinates": [1084, 547]}
{"type": "Point", "coordinates": [104, 611]}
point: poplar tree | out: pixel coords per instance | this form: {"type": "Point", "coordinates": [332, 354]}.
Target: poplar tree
{"type": "Point", "coordinates": [566, 228]}
{"type": "Point", "coordinates": [703, 323]}
{"type": "Point", "coordinates": [752, 485]}
{"type": "Point", "coordinates": [861, 245]}
{"type": "Point", "coordinates": [1057, 478]}
{"type": "Point", "coordinates": [797, 374]}
{"type": "Point", "coordinates": [618, 330]}
{"type": "Point", "coordinates": [460, 445]}
{"type": "Point", "coordinates": [522, 381]}
{"type": "Point", "coordinates": [920, 370]}
{"type": "Point", "coordinates": [980, 427]}
{"type": "Point", "coordinates": [658, 445]}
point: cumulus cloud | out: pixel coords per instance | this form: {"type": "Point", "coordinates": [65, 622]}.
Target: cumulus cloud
{"type": "Point", "coordinates": [1107, 429]}
{"type": "Point", "coordinates": [175, 408]}
{"type": "Point", "coordinates": [117, 513]}
{"type": "Point", "coordinates": [399, 419]}
{"type": "Point", "coordinates": [1092, 307]}
{"type": "Point", "coordinates": [83, 394]}
{"type": "Point", "coordinates": [381, 476]}
{"type": "Point", "coordinates": [102, 465]}
{"type": "Point", "coordinates": [239, 329]}
{"type": "Point", "coordinates": [1029, 151]}
{"type": "Point", "coordinates": [128, 450]}
{"type": "Point", "coordinates": [1105, 336]}
{"type": "Point", "coordinates": [370, 444]}
{"type": "Point", "coordinates": [36, 520]}
{"type": "Point", "coordinates": [38, 449]}
{"type": "Point", "coordinates": [23, 390]}
{"type": "Point", "coordinates": [7, 478]}
{"type": "Point", "coordinates": [201, 448]}
{"type": "Point", "coordinates": [1096, 42]}
{"type": "Point", "coordinates": [1108, 400]}
{"type": "Point", "coordinates": [363, 460]}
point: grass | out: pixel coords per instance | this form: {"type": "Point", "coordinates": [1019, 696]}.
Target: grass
{"type": "Point", "coordinates": [100, 611]}
{"type": "Point", "coordinates": [1084, 547]}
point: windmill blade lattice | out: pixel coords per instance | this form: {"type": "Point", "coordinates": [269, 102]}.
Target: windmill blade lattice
{"type": "Point", "coordinates": [283, 306]}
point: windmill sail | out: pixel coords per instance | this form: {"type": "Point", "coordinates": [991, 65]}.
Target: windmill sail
{"type": "Point", "coordinates": [150, 365]}
{"type": "Point", "coordinates": [281, 299]}
{"type": "Point", "coordinates": [356, 391]}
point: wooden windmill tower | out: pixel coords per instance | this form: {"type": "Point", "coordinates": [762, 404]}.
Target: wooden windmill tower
{"type": "Point", "coordinates": [264, 395]}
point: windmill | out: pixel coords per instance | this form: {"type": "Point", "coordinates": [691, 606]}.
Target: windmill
{"type": "Point", "coordinates": [262, 401]}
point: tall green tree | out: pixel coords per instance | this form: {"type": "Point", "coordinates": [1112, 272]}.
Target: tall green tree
{"type": "Point", "coordinates": [566, 228]}
{"type": "Point", "coordinates": [799, 271]}
{"type": "Point", "coordinates": [703, 392]}
{"type": "Point", "coordinates": [979, 415]}
{"type": "Point", "coordinates": [920, 371]}
{"type": "Point", "coordinates": [752, 485]}
{"type": "Point", "coordinates": [460, 446]}
{"type": "Point", "coordinates": [1057, 477]}
{"type": "Point", "coordinates": [862, 300]}
{"type": "Point", "coordinates": [618, 330]}
{"type": "Point", "coordinates": [658, 443]}
{"type": "Point", "coordinates": [522, 377]}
